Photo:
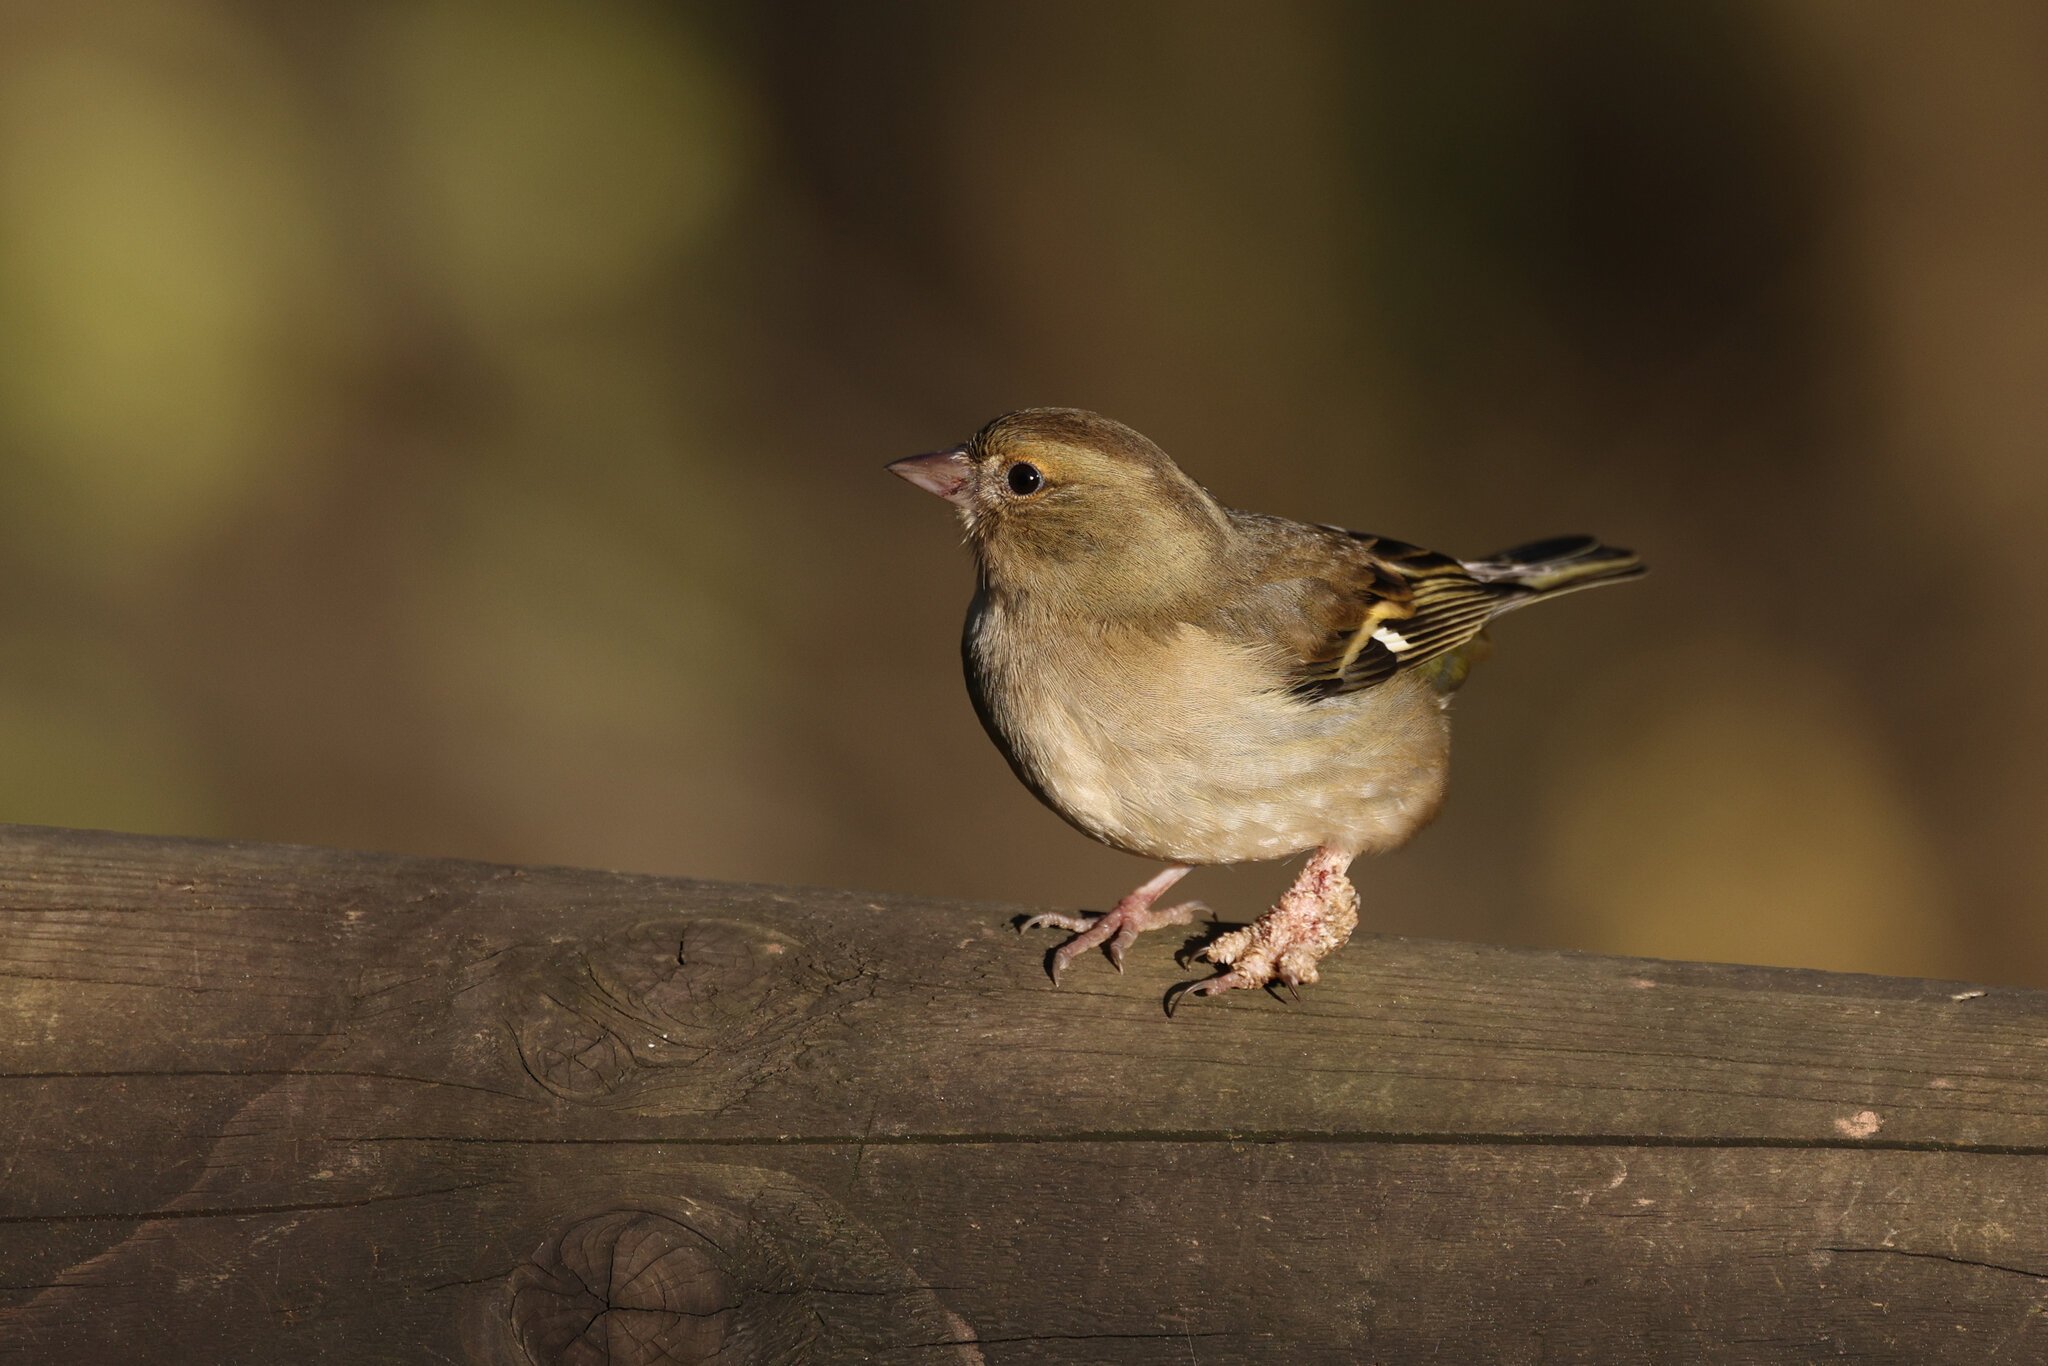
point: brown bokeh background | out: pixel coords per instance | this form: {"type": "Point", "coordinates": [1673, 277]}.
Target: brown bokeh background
{"type": "Point", "coordinates": [457, 428]}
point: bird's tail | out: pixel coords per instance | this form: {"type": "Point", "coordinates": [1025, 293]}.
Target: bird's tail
{"type": "Point", "coordinates": [1560, 564]}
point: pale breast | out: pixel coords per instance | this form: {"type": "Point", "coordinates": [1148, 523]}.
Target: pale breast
{"type": "Point", "coordinates": [1188, 748]}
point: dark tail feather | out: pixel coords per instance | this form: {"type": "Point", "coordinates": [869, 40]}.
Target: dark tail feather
{"type": "Point", "coordinates": [1560, 564]}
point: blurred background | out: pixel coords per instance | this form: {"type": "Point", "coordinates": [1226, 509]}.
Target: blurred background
{"type": "Point", "coordinates": [457, 428]}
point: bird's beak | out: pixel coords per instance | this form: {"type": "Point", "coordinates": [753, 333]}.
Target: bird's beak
{"type": "Point", "coordinates": [942, 472]}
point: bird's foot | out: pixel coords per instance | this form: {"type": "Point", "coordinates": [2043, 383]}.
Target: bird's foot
{"type": "Point", "coordinates": [1312, 921]}
{"type": "Point", "coordinates": [1123, 923]}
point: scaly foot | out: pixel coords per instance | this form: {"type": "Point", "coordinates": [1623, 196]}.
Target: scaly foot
{"type": "Point", "coordinates": [1309, 923]}
{"type": "Point", "coordinates": [1126, 920]}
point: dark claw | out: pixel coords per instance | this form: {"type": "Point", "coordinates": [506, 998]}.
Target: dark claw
{"type": "Point", "coordinates": [1193, 947]}
{"type": "Point", "coordinates": [1179, 991]}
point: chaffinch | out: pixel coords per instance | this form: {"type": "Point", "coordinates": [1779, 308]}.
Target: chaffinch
{"type": "Point", "coordinates": [1199, 685]}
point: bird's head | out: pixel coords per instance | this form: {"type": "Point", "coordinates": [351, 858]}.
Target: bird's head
{"type": "Point", "coordinates": [1067, 505]}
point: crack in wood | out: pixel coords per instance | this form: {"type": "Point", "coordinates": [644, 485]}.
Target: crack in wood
{"type": "Point", "coordinates": [1175, 1336]}
{"type": "Point", "coordinates": [472, 1280]}
{"type": "Point", "coordinates": [242, 1211]}
{"type": "Point", "coordinates": [265, 1072]}
{"type": "Point", "coordinates": [1238, 1136]}
{"type": "Point", "coordinates": [1944, 1257]}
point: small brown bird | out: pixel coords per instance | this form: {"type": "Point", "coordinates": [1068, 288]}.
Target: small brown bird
{"type": "Point", "coordinates": [1199, 685]}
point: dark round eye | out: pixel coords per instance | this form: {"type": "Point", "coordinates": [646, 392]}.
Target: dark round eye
{"type": "Point", "coordinates": [1025, 479]}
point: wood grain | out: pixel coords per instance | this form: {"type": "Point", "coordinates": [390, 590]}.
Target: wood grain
{"type": "Point", "coordinates": [274, 1103]}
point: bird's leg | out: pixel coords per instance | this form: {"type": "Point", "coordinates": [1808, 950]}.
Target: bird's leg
{"type": "Point", "coordinates": [1126, 920]}
{"type": "Point", "coordinates": [1310, 922]}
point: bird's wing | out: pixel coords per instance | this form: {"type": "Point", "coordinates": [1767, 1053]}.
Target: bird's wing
{"type": "Point", "coordinates": [1408, 607]}
{"type": "Point", "coordinates": [1349, 611]}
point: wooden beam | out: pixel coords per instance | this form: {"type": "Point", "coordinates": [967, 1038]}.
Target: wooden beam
{"type": "Point", "coordinates": [269, 1104]}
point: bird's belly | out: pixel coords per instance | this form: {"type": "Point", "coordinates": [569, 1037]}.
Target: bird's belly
{"type": "Point", "coordinates": [1207, 770]}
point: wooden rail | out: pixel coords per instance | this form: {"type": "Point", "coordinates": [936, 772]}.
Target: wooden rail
{"type": "Point", "coordinates": [293, 1105]}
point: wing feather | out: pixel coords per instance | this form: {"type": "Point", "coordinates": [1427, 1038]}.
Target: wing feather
{"type": "Point", "coordinates": [1345, 611]}
{"type": "Point", "coordinates": [1399, 606]}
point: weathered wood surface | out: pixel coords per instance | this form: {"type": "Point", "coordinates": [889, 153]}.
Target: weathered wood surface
{"type": "Point", "coordinates": [269, 1104]}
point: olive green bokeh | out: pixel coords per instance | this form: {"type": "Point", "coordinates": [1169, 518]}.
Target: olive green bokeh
{"type": "Point", "coordinates": [457, 428]}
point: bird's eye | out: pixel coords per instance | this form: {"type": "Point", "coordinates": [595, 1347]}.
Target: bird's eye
{"type": "Point", "coordinates": [1025, 479]}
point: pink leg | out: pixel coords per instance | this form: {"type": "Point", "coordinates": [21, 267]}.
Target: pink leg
{"type": "Point", "coordinates": [1309, 923]}
{"type": "Point", "coordinates": [1126, 920]}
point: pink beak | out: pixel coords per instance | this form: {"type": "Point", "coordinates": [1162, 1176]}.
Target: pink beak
{"type": "Point", "coordinates": [942, 472]}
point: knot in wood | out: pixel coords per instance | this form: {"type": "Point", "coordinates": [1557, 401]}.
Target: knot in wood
{"type": "Point", "coordinates": [675, 1011]}
{"type": "Point", "coordinates": [688, 1262]}
{"type": "Point", "coordinates": [631, 1286]}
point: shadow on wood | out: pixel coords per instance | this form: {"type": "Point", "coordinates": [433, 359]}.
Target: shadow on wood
{"type": "Point", "coordinates": [291, 1104]}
